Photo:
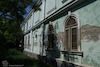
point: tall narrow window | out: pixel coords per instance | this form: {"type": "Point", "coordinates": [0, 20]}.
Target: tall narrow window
{"type": "Point", "coordinates": [25, 42]}
{"type": "Point", "coordinates": [71, 34]}
{"type": "Point", "coordinates": [74, 38]}
{"type": "Point", "coordinates": [28, 41]}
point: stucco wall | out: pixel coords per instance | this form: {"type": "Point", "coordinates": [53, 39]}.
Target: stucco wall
{"type": "Point", "coordinates": [89, 19]}
{"type": "Point", "coordinates": [88, 15]}
{"type": "Point", "coordinates": [90, 32]}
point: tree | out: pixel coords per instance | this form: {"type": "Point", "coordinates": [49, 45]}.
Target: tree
{"type": "Point", "coordinates": [11, 16]}
{"type": "Point", "coordinates": [15, 9]}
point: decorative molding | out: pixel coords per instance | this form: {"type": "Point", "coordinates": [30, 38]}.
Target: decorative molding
{"type": "Point", "coordinates": [37, 21]}
{"type": "Point", "coordinates": [37, 14]}
{"type": "Point", "coordinates": [50, 6]}
{"type": "Point", "coordinates": [73, 53]}
{"type": "Point", "coordinates": [78, 30]}
{"type": "Point", "coordinates": [63, 1]}
{"type": "Point", "coordinates": [69, 13]}
{"type": "Point", "coordinates": [27, 17]}
{"type": "Point", "coordinates": [71, 4]}
{"type": "Point", "coordinates": [51, 10]}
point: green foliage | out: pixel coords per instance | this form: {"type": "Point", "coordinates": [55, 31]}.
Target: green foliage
{"type": "Point", "coordinates": [20, 57]}
{"type": "Point", "coordinates": [10, 37]}
{"type": "Point", "coordinates": [35, 6]}
{"type": "Point", "coordinates": [11, 16]}
{"type": "Point", "coordinates": [15, 9]}
{"type": "Point", "coordinates": [17, 57]}
{"type": "Point", "coordinates": [10, 33]}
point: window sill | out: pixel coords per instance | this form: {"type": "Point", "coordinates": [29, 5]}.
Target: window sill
{"type": "Point", "coordinates": [78, 53]}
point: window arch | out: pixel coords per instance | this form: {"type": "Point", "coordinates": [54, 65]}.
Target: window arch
{"type": "Point", "coordinates": [72, 33]}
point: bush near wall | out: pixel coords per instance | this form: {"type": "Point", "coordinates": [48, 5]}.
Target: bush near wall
{"type": "Point", "coordinates": [16, 57]}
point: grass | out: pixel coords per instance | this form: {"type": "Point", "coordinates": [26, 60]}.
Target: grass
{"type": "Point", "coordinates": [15, 57]}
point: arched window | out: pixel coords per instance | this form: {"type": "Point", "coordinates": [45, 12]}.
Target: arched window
{"type": "Point", "coordinates": [71, 34]}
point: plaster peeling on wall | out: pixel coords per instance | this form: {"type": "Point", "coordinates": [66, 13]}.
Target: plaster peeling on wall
{"type": "Point", "coordinates": [90, 32]}
{"type": "Point", "coordinates": [35, 43]}
{"type": "Point", "coordinates": [60, 37]}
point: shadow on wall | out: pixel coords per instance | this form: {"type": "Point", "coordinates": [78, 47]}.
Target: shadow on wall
{"type": "Point", "coordinates": [54, 52]}
{"type": "Point", "coordinates": [52, 62]}
{"type": "Point", "coordinates": [68, 57]}
{"type": "Point", "coordinates": [48, 60]}
{"type": "Point", "coordinates": [64, 64]}
{"type": "Point", "coordinates": [83, 4]}
{"type": "Point", "coordinates": [52, 48]}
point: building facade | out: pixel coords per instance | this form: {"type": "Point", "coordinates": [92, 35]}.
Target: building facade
{"type": "Point", "coordinates": [68, 31]}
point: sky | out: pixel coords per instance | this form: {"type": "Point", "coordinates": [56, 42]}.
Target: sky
{"type": "Point", "coordinates": [28, 10]}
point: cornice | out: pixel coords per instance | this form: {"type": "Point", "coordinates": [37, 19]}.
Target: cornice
{"type": "Point", "coordinates": [63, 8]}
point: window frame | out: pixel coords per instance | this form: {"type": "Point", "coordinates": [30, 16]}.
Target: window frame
{"type": "Point", "coordinates": [25, 45]}
{"type": "Point", "coordinates": [78, 33]}
{"type": "Point", "coordinates": [66, 39]}
{"type": "Point", "coordinates": [28, 41]}
{"type": "Point", "coordinates": [71, 38]}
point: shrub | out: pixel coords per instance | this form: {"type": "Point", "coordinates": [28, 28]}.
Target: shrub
{"type": "Point", "coordinates": [16, 57]}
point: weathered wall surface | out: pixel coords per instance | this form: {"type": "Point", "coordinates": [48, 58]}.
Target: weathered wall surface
{"type": "Point", "coordinates": [89, 17]}
{"type": "Point", "coordinates": [88, 14]}
{"type": "Point", "coordinates": [36, 40]}
{"type": "Point", "coordinates": [91, 44]}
